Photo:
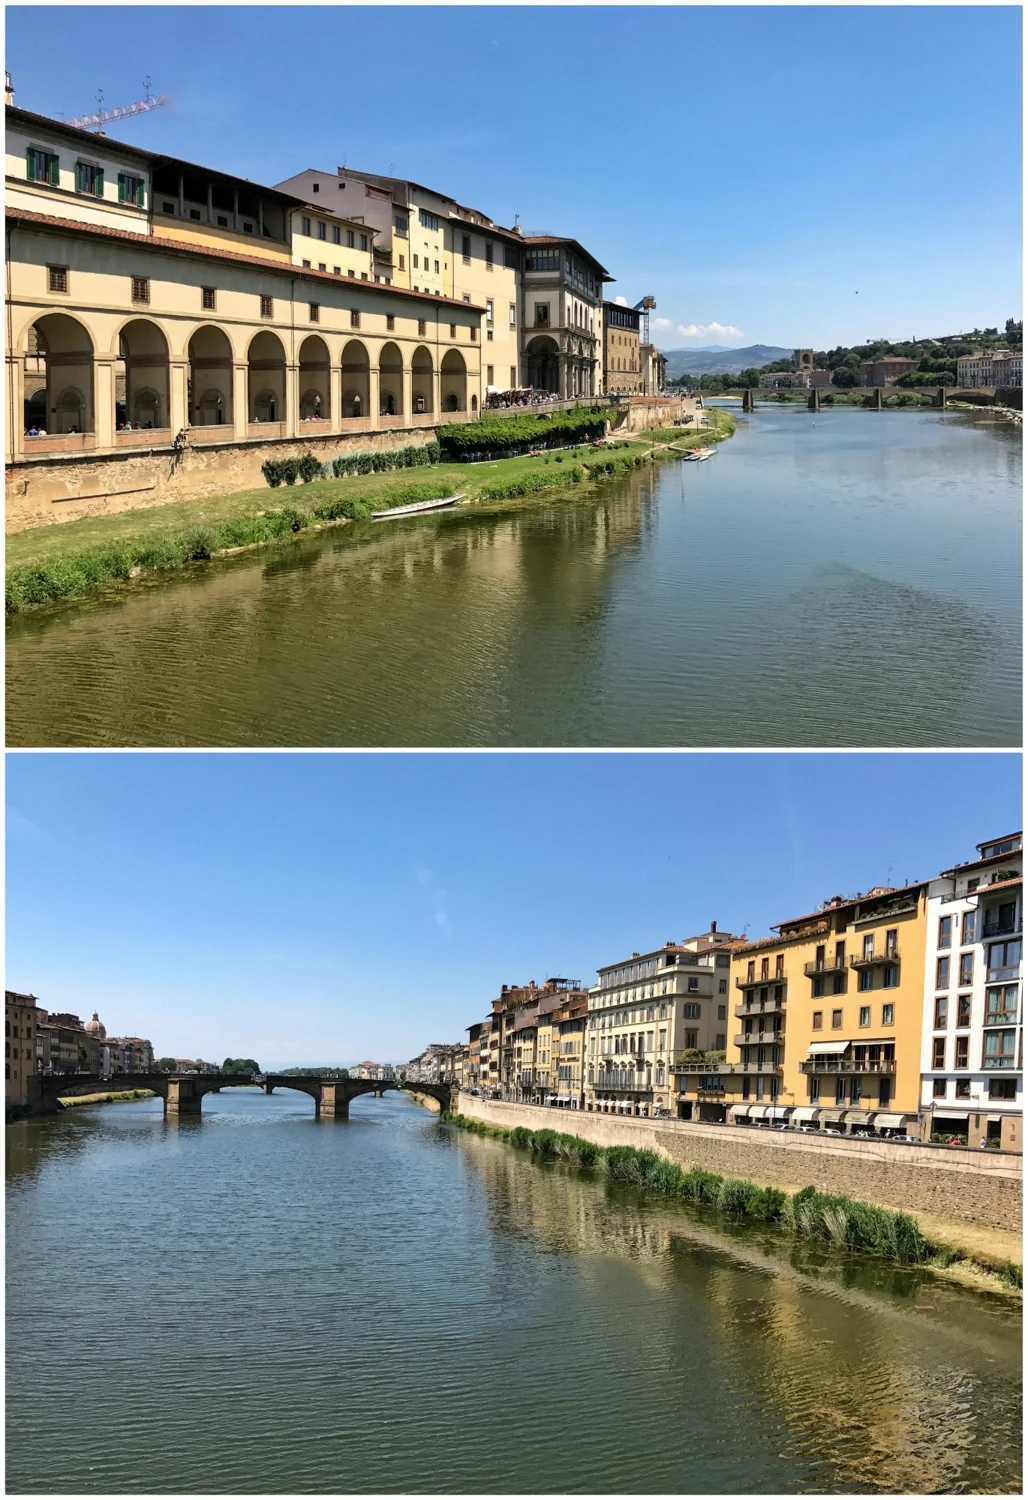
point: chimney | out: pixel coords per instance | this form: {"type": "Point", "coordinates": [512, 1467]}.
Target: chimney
{"type": "Point", "coordinates": [8, 90]}
{"type": "Point", "coordinates": [635, 955]}
{"type": "Point", "coordinates": [713, 927]}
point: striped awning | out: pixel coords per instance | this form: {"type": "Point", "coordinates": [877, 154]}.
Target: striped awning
{"type": "Point", "coordinates": [832, 1115]}
{"type": "Point", "coordinates": [805, 1114]}
{"type": "Point", "coordinates": [739, 1111]}
{"type": "Point", "coordinates": [758, 1111]}
{"type": "Point", "coordinates": [889, 1122]}
{"type": "Point", "coordinates": [857, 1116]}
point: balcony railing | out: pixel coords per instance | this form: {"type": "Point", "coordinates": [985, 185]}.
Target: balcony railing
{"type": "Point", "coordinates": [750, 1067]}
{"type": "Point", "coordinates": [759, 1007]}
{"type": "Point", "coordinates": [847, 1065]}
{"type": "Point", "coordinates": [625, 1083]}
{"type": "Point", "coordinates": [826, 966]}
{"type": "Point", "coordinates": [752, 984]}
{"type": "Point", "coordinates": [865, 960]}
{"type": "Point", "coordinates": [757, 1038]}
{"type": "Point", "coordinates": [1008, 928]}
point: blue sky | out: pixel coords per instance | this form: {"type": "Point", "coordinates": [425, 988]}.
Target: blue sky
{"type": "Point", "coordinates": [326, 908]}
{"type": "Point", "coordinates": [784, 175]}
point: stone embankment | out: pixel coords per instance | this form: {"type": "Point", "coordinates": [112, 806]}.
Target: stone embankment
{"type": "Point", "coordinates": [950, 1185]}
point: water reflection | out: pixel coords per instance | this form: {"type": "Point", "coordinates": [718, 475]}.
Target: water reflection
{"type": "Point", "coordinates": [854, 581]}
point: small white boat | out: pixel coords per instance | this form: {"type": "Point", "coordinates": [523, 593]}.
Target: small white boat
{"type": "Point", "coordinates": [698, 456]}
{"type": "Point", "coordinates": [415, 510]}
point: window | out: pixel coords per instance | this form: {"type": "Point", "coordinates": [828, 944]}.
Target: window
{"type": "Point", "coordinates": [207, 298]}
{"type": "Point", "coordinates": [818, 1020]}
{"type": "Point", "coordinates": [314, 311]}
{"type": "Point", "coordinates": [819, 988]}
{"type": "Point", "coordinates": [941, 1012]}
{"type": "Point", "coordinates": [390, 322]}
{"type": "Point", "coordinates": [866, 980]}
{"type": "Point", "coordinates": [869, 945]}
{"type": "Point", "coordinates": [865, 1015]}
{"type": "Point", "coordinates": [513, 317]}
{"type": "Point", "coordinates": [884, 1092]}
{"type": "Point", "coordinates": [351, 240]}
{"type": "Point", "coordinates": [960, 1057]}
{"type": "Point", "coordinates": [891, 942]}
{"type": "Point", "coordinates": [489, 309]}
{"type": "Point", "coordinates": [489, 375]}
{"type": "Point", "coordinates": [836, 1019]}
{"type": "Point", "coordinates": [488, 255]}
{"type": "Point", "coordinates": [838, 984]}
{"type": "Point", "coordinates": [1002, 1088]}
{"type": "Point", "coordinates": [1004, 959]}
{"type": "Point", "coordinates": [942, 974]}
{"type": "Point", "coordinates": [141, 289]}
{"type": "Point", "coordinates": [89, 179]}
{"type": "Point", "coordinates": [513, 375]}
{"type": "Point", "coordinates": [964, 1087]}
{"type": "Point", "coordinates": [222, 221]}
{"type": "Point", "coordinates": [306, 265]}
{"type": "Point", "coordinates": [691, 1012]}
{"type": "Point", "coordinates": [967, 928]}
{"type": "Point", "coordinates": [542, 315]}
{"type": "Point", "coordinates": [403, 263]}
{"type": "Point", "coordinates": [939, 1087]}
{"type": "Point", "coordinates": [1000, 919]}
{"type": "Point", "coordinates": [267, 307]}
{"type": "Point", "coordinates": [428, 221]}
{"type": "Point", "coordinates": [57, 278]}
{"type": "Point", "coordinates": [887, 1015]}
{"type": "Point", "coordinates": [1000, 1003]}
{"type": "Point", "coordinates": [999, 1049]}
{"type": "Point", "coordinates": [322, 227]}
{"type": "Point", "coordinates": [465, 248]}
{"type": "Point", "coordinates": [400, 224]}
{"type": "Point", "coordinates": [453, 330]}
{"type": "Point", "coordinates": [694, 986]}
{"type": "Point", "coordinates": [305, 226]}
{"type": "Point", "coordinates": [322, 267]}
{"type": "Point", "coordinates": [945, 932]}
{"type": "Point", "coordinates": [364, 242]}
{"type": "Point", "coordinates": [435, 267]}
{"type": "Point", "coordinates": [43, 166]}
{"type": "Point", "coordinates": [355, 318]}
{"type": "Point", "coordinates": [474, 334]}
{"type": "Point", "coordinates": [336, 235]}
{"type": "Point", "coordinates": [722, 986]}
{"type": "Point", "coordinates": [966, 968]}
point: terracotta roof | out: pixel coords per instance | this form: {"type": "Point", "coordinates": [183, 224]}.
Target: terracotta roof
{"type": "Point", "coordinates": [183, 247]}
{"type": "Point", "coordinates": [989, 859]}
{"type": "Point", "coordinates": [563, 239]}
{"type": "Point", "coordinates": [998, 885]}
{"type": "Point", "coordinates": [858, 900]}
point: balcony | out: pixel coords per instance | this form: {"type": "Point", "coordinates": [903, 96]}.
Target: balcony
{"type": "Point", "coordinates": [757, 1038]}
{"type": "Point", "coordinates": [847, 1065]}
{"type": "Point", "coordinates": [752, 984]}
{"type": "Point", "coordinates": [750, 1067]}
{"type": "Point", "coordinates": [617, 1081]}
{"type": "Point", "coordinates": [867, 960]}
{"type": "Point", "coordinates": [825, 966]}
{"type": "Point", "coordinates": [759, 1008]}
{"type": "Point", "coordinates": [996, 925]}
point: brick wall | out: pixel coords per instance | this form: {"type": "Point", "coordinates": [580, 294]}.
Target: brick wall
{"type": "Point", "coordinates": [974, 1187]}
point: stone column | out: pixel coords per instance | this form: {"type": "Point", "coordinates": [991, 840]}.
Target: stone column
{"type": "Point", "coordinates": [240, 401]}
{"type": "Point", "coordinates": [408, 393]}
{"type": "Point", "coordinates": [437, 392]}
{"type": "Point", "coordinates": [334, 1103]}
{"type": "Point", "coordinates": [183, 1097]}
{"type": "Point", "coordinates": [103, 403]}
{"type": "Point", "coordinates": [374, 396]}
{"type": "Point", "coordinates": [292, 412]}
{"type": "Point", "coordinates": [335, 395]}
{"type": "Point", "coordinates": [178, 408]}
{"type": "Point", "coordinates": [16, 406]}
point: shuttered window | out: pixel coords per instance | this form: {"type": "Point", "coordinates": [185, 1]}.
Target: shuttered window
{"type": "Point", "coordinates": [89, 179]}
{"type": "Point", "coordinates": [130, 189]}
{"type": "Point", "coordinates": [43, 166]}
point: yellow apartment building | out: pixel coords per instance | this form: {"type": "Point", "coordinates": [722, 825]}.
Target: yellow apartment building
{"type": "Point", "coordinates": [622, 370]}
{"type": "Point", "coordinates": [22, 1016]}
{"type": "Point", "coordinates": [828, 1018]}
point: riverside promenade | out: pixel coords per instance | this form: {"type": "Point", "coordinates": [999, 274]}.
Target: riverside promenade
{"type": "Point", "coordinates": [954, 1187]}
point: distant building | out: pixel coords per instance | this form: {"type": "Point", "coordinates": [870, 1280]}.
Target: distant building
{"type": "Point", "coordinates": [64, 1046]}
{"type": "Point", "coordinates": [373, 1071]}
{"type": "Point", "coordinates": [621, 362]}
{"type": "Point", "coordinates": [990, 367]}
{"type": "Point", "coordinates": [886, 370]}
{"type": "Point", "coordinates": [654, 370]}
{"type": "Point", "coordinates": [22, 1015]}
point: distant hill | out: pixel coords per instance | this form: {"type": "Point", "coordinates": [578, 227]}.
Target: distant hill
{"type": "Point", "coordinates": [721, 361]}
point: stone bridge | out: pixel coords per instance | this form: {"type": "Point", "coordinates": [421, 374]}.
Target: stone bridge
{"type": "Point", "coordinates": [183, 1092]}
{"type": "Point", "coordinates": [332, 1096]}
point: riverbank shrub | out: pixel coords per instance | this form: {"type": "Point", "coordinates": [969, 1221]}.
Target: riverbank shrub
{"type": "Point", "coordinates": [831, 1218]}
{"type": "Point", "coordinates": [308, 467]}
{"type": "Point", "coordinates": [506, 437]}
{"type": "Point", "coordinates": [531, 484]}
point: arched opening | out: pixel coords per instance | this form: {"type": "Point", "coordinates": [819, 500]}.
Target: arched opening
{"type": "Point", "coordinates": [453, 382]}
{"type": "Point", "coordinates": [314, 381]}
{"type": "Point", "coordinates": [210, 379]}
{"type": "Point", "coordinates": [58, 377]}
{"type": "Point", "coordinates": [141, 377]}
{"type": "Point", "coordinates": [474, 403]}
{"type": "Point", "coordinates": [421, 381]}
{"type": "Point", "coordinates": [266, 379]}
{"type": "Point", "coordinates": [390, 382]}
{"type": "Point", "coordinates": [542, 358]}
{"type": "Point", "coordinates": [356, 379]}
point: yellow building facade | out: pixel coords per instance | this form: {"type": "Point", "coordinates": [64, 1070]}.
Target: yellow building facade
{"type": "Point", "coordinates": [22, 1016]}
{"type": "Point", "coordinates": [828, 1016]}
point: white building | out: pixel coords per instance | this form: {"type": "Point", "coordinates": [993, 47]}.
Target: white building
{"type": "Point", "coordinates": [990, 367]}
{"type": "Point", "coordinates": [972, 1032]}
{"type": "Point", "coordinates": [645, 1011]}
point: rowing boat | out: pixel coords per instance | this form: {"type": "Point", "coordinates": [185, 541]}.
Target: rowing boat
{"type": "Point", "coordinates": [415, 510]}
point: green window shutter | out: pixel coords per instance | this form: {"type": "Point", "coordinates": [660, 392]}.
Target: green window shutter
{"type": "Point", "coordinates": [121, 187]}
{"type": "Point", "coordinates": [30, 165]}
{"type": "Point", "coordinates": [55, 171]}
{"type": "Point", "coordinates": [139, 192]}
{"type": "Point", "coordinates": [78, 177]}
{"type": "Point", "coordinates": [99, 182]}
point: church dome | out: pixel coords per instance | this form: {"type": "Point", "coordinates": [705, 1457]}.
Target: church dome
{"type": "Point", "coordinates": [95, 1027]}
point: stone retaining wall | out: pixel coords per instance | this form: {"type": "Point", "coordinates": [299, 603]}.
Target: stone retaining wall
{"type": "Point", "coordinates": [974, 1187]}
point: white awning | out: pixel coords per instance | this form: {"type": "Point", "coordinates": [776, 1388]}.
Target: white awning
{"type": "Point", "coordinates": [739, 1111]}
{"type": "Point", "coordinates": [804, 1114]}
{"type": "Point", "coordinates": [758, 1111]}
{"type": "Point", "coordinates": [857, 1116]}
{"type": "Point", "coordinates": [889, 1122]}
{"type": "Point", "coordinates": [832, 1115]}
{"type": "Point", "coordinates": [951, 1114]}
{"type": "Point", "coordinates": [776, 1112]}
{"type": "Point", "coordinates": [829, 1048]}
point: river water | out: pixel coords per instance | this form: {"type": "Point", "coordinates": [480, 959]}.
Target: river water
{"type": "Point", "coordinates": [257, 1302]}
{"type": "Point", "coordinates": [846, 579]}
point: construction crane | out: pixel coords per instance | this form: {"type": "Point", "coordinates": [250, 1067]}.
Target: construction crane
{"type": "Point", "coordinates": [644, 307]}
{"type": "Point", "coordinates": [103, 116]}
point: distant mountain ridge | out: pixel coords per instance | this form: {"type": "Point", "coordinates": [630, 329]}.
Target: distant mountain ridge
{"type": "Point", "coordinates": [722, 361]}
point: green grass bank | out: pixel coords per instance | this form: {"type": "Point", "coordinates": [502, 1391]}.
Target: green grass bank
{"type": "Point", "coordinates": [48, 564]}
{"type": "Point", "coordinates": [835, 1220]}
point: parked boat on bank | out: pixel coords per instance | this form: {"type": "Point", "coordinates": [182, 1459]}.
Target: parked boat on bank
{"type": "Point", "coordinates": [415, 510]}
